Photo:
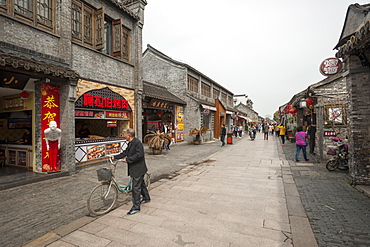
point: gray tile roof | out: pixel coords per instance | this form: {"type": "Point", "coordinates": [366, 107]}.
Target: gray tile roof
{"type": "Point", "coordinates": [158, 92]}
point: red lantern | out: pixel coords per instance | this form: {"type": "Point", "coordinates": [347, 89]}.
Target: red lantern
{"type": "Point", "coordinates": [24, 95]}
{"type": "Point", "coordinates": [145, 113]}
{"type": "Point", "coordinates": [160, 112]}
{"type": "Point", "coordinates": [310, 101]}
{"type": "Point", "coordinates": [293, 111]}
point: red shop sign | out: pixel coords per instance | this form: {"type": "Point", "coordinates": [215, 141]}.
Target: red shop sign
{"type": "Point", "coordinates": [330, 66]}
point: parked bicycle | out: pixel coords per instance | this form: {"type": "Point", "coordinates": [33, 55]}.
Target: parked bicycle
{"type": "Point", "coordinates": [104, 196]}
{"type": "Point", "coordinates": [340, 156]}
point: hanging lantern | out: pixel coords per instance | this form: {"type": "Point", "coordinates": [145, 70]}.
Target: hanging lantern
{"type": "Point", "coordinates": [24, 95]}
{"type": "Point", "coordinates": [160, 112]}
{"type": "Point", "coordinates": [145, 113]}
{"type": "Point", "coordinates": [310, 101]}
{"type": "Point", "coordinates": [293, 111]}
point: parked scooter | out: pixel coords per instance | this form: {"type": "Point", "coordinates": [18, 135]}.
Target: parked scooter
{"type": "Point", "coordinates": [340, 159]}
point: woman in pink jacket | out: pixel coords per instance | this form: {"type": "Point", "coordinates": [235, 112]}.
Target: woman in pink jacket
{"type": "Point", "coordinates": [300, 142]}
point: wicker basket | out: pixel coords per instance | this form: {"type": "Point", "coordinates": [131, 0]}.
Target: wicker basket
{"type": "Point", "coordinates": [104, 174]}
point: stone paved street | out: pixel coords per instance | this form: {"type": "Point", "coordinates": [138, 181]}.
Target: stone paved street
{"type": "Point", "coordinates": [339, 214]}
{"type": "Point", "coordinates": [30, 211]}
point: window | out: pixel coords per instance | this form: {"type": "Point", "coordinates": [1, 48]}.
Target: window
{"type": "Point", "coordinates": [87, 25]}
{"type": "Point", "coordinates": [192, 84]}
{"type": "Point", "coordinates": [206, 90]}
{"type": "Point", "coordinates": [40, 13]}
{"type": "Point", "coordinates": [224, 98]}
{"type": "Point", "coordinates": [216, 93]}
{"type": "Point", "coordinates": [230, 100]}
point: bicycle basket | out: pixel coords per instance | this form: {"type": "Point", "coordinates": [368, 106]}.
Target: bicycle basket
{"type": "Point", "coordinates": [104, 174]}
{"type": "Point", "coordinates": [331, 152]}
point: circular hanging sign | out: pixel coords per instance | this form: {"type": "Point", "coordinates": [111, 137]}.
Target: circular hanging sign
{"type": "Point", "coordinates": [330, 66]}
{"type": "Point", "coordinates": [206, 112]}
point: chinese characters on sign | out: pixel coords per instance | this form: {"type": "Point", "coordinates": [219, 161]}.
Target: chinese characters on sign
{"type": "Point", "coordinates": [49, 112]}
{"type": "Point", "coordinates": [330, 66]}
{"type": "Point", "coordinates": [104, 102]}
{"type": "Point", "coordinates": [330, 133]}
{"type": "Point", "coordinates": [159, 104]}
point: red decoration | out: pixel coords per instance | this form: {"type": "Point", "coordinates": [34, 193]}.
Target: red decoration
{"type": "Point", "coordinates": [310, 101]}
{"type": "Point", "coordinates": [145, 113]}
{"type": "Point", "coordinates": [25, 95]}
{"type": "Point", "coordinates": [293, 111]}
{"type": "Point", "coordinates": [160, 112]}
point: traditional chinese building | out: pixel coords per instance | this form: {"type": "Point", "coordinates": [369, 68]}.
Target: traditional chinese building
{"type": "Point", "coordinates": [208, 104]}
{"type": "Point", "coordinates": [353, 49]}
{"type": "Point", "coordinates": [75, 62]}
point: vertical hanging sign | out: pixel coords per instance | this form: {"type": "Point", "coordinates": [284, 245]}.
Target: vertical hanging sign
{"type": "Point", "coordinates": [49, 112]}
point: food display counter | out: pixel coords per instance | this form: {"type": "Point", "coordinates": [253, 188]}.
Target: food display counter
{"type": "Point", "coordinates": [17, 155]}
{"type": "Point", "coordinates": [95, 148]}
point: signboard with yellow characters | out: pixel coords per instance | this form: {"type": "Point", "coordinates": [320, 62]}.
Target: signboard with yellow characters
{"type": "Point", "coordinates": [179, 123]}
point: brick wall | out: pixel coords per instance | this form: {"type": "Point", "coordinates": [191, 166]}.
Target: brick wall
{"type": "Point", "coordinates": [359, 118]}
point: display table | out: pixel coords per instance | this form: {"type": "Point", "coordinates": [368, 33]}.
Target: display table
{"type": "Point", "coordinates": [17, 155]}
{"type": "Point", "coordinates": [94, 149]}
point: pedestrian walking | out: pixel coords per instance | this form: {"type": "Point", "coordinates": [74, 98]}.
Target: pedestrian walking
{"type": "Point", "coordinates": [222, 135]}
{"type": "Point", "coordinates": [272, 129]}
{"type": "Point", "coordinates": [282, 131]}
{"type": "Point", "coordinates": [235, 130]}
{"type": "Point", "coordinates": [165, 129]}
{"type": "Point", "coordinates": [134, 156]}
{"type": "Point", "coordinates": [311, 132]}
{"type": "Point", "coordinates": [265, 129]}
{"type": "Point", "coordinates": [277, 130]}
{"type": "Point", "coordinates": [240, 131]}
{"type": "Point", "coordinates": [301, 143]}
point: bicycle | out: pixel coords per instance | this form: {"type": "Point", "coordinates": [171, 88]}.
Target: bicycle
{"type": "Point", "coordinates": [104, 196]}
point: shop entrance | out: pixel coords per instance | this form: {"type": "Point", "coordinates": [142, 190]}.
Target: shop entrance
{"type": "Point", "coordinates": [16, 128]}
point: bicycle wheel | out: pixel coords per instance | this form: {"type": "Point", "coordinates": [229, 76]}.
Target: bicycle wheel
{"type": "Point", "coordinates": [332, 164]}
{"type": "Point", "coordinates": [102, 199]}
{"type": "Point", "coordinates": [147, 180]}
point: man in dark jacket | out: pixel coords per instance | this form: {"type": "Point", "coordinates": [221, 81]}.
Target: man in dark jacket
{"type": "Point", "coordinates": [134, 156]}
{"type": "Point", "coordinates": [311, 132]}
{"type": "Point", "coordinates": [223, 134]}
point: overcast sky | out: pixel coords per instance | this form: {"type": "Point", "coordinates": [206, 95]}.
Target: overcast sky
{"type": "Point", "coordinates": [269, 50]}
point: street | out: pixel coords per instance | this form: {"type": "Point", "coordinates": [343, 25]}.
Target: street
{"type": "Point", "coordinates": [265, 195]}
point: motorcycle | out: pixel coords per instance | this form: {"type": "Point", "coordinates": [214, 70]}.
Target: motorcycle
{"type": "Point", "coordinates": [252, 134]}
{"type": "Point", "coordinates": [340, 159]}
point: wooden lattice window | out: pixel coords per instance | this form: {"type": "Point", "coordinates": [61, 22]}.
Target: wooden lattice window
{"type": "Point", "coordinates": [224, 97]}
{"type": "Point", "coordinates": [192, 84]}
{"type": "Point", "coordinates": [40, 13]}
{"type": "Point", "coordinates": [120, 40]}
{"type": "Point", "coordinates": [229, 100]}
{"type": "Point", "coordinates": [216, 93]}
{"type": "Point", "coordinates": [206, 90]}
{"type": "Point", "coordinates": [87, 24]}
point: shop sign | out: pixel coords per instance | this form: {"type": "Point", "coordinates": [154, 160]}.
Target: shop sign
{"type": "Point", "coordinates": [115, 114]}
{"type": "Point", "coordinates": [330, 133]}
{"type": "Point", "coordinates": [180, 123]}
{"type": "Point", "coordinates": [14, 103]}
{"type": "Point", "coordinates": [11, 80]}
{"type": "Point", "coordinates": [50, 98]}
{"type": "Point", "coordinates": [89, 114]}
{"type": "Point", "coordinates": [103, 98]}
{"type": "Point", "coordinates": [206, 112]}
{"type": "Point", "coordinates": [330, 66]}
{"type": "Point", "coordinates": [159, 104]}
{"type": "Point", "coordinates": [104, 102]}
{"type": "Point", "coordinates": [112, 123]}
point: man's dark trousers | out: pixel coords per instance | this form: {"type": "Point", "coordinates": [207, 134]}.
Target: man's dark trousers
{"type": "Point", "coordinates": [311, 143]}
{"type": "Point", "coordinates": [138, 188]}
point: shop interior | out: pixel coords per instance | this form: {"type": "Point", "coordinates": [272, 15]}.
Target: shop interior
{"type": "Point", "coordinates": [16, 129]}
{"type": "Point", "coordinates": [100, 128]}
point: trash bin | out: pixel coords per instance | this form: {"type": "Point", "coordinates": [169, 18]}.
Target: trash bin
{"type": "Point", "coordinates": [230, 138]}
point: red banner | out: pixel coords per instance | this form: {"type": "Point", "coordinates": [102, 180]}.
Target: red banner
{"type": "Point", "coordinates": [49, 112]}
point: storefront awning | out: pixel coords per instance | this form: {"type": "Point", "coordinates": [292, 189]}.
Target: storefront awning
{"type": "Point", "coordinates": [161, 93]}
{"type": "Point", "coordinates": [209, 107]}
{"type": "Point", "coordinates": [248, 119]}
{"type": "Point", "coordinates": [229, 112]}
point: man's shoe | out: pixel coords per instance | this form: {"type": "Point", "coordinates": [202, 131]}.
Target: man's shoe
{"type": "Point", "coordinates": [131, 212]}
{"type": "Point", "coordinates": [144, 201]}
{"type": "Point", "coordinates": [307, 160]}
{"type": "Point", "coordinates": [296, 161]}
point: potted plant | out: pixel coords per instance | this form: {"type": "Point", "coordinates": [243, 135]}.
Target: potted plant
{"type": "Point", "coordinates": [156, 140]}
{"type": "Point", "coordinates": [197, 134]}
